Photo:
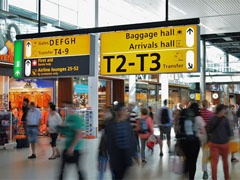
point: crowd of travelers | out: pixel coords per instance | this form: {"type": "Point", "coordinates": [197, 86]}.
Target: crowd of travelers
{"type": "Point", "coordinates": [127, 133]}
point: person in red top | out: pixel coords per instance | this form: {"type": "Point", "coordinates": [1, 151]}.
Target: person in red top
{"type": "Point", "coordinates": [206, 115]}
{"type": "Point", "coordinates": [144, 136]}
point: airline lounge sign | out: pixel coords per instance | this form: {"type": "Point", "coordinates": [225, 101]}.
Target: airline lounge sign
{"type": "Point", "coordinates": [50, 57]}
{"type": "Point", "coordinates": [148, 51]}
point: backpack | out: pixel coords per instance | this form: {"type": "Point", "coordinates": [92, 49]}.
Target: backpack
{"type": "Point", "coordinates": [186, 124]}
{"type": "Point", "coordinates": [164, 116]}
{"type": "Point", "coordinates": [143, 126]}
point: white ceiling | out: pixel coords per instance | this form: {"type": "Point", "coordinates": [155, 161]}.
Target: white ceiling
{"type": "Point", "coordinates": [216, 16]}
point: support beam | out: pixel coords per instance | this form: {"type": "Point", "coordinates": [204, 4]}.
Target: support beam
{"type": "Point", "coordinates": [112, 28]}
{"type": "Point", "coordinates": [202, 73]}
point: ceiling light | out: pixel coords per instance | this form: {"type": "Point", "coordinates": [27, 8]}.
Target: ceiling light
{"type": "Point", "coordinates": [228, 39]}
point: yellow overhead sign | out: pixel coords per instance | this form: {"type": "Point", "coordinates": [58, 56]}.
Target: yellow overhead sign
{"type": "Point", "coordinates": [157, 50]}
{"type": "Point", "coordinates": [57, 46]}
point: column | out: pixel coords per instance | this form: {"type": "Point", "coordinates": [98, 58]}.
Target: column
{"type": "Point", "coordinates": [164, 87]}
{"type": "Point", "coordinates": [132, 88]}
{"type": "Point", "coordinates": [93, 81]}
{"type": "Point", "coordinates": [4, 5]}
{"type": "Point", "coordinates": [226, 68]}
{"type": "Point", "coordinates": [202, 73]}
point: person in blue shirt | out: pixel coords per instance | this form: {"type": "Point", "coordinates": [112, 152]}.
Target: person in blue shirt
{"type": "Point", "coordinates": [33, 121]}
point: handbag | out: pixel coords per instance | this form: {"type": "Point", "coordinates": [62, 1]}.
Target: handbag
{"type": "Point", "coordinates": [234, 146]}
{"type": "Point", "coordinates": [206, 153]}
{"type": "Point", "coordinates": [178, 165]}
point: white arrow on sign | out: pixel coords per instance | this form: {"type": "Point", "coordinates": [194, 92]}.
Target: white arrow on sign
{"type": "Point", "coordinates": [190, 60]}
{"type": "Point", "coordinates": [28, 49]}
{"type": "Point", "coordinates": [190, 37]}
{"type": "Point", "coordinates": [28, 67]}
{"type": "Point", "coordinates": [17, 73]}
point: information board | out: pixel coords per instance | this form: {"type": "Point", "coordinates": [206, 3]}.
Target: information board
{"type": "Point", "coordinates": [148, 51]}
{"type": "Point", "coordinates": [63, 56]}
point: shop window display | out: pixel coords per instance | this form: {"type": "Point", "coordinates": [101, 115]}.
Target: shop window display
{"type": "Point", "coordinates": [35, 92]}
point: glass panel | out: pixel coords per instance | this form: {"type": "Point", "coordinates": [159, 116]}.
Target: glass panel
{"type": "Point", "coordinates": [30, 5]}
{"type": "Point", "coordinates": [53, 7]}
{"type": "Point", "coordinates": [70, 4]}
{"type": "Point", "coordinates": [68, 15]}
{"type": "Point", "coordinates": [86, 13]}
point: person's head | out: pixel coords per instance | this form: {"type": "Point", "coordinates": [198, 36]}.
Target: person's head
{"type": "Point", "coordinates": [12, 31]}
{"type": "Point", "coordinates": [150, 108]}
{"type": "Point", "coordinates": [205, 103]}
{"type": "Point", "coordinates": [221, 110]}
{"type": "Point", "coordinates": [3, 24]}
{"type": "Point", "coordinates": [165, 102]}
{"type": "Point", "coordinates": [52, 106]}
{"type": "Point", "coordinates": [144, 111]}
{"type": "Point", "coordinates": [195, 108]}
{"type": "Point", "coordinates": [120, 111]}
{"type": "Point", "coordinates": [32, 105]}
{"type": "Point", "coordinates": [131, 106]}
{"type": "Point", "coordinates": [25, 102]}
{"type": "Point", "coordinates": [70, 106]}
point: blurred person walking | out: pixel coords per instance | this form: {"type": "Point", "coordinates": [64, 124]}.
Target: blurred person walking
{"type": "Point", "coordinates": [165, 122]}
{"type": "Point", "coordinates": [73, 131]}
{"type": "Point", "coordinates": [25, 109]}
{"type": "Point", "coordinates": [102, 148]}
{"type": "Point", "coordinates": [150, 113]}
{"type": "Point", "coordinates": [121, 142]}
{"type": "Point", "coordinates": [133, 117]}
{"type": "Point", "coordinates": [220, 131]}
{"type": "Point", "coordinates": [33, 121]}
{"type": "Point", "coordinates": [54, 120]}
{"type": "Point", "coordinates": [231, 118]}
{"type": "Point", "coordinates": [206, 115]}
{"type": "Point", "coordinates": [145, 130]}
{"type": "Point", "coordinates": [176, 115]}
{"type": "Point", "coordinates": [192, 129]}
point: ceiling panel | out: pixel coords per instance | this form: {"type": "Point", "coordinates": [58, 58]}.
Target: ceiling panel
{"type": "Point", "coordinates": [216, 25]}
{"type": "Point", "coordinates": [192, 8]}
{"type": "Point", "coordinates": [224, 7]}
{"type": "Point", "coordinates": [233, 20]}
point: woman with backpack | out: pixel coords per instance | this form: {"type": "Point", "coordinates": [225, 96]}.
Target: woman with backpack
{"type": "Point", "coordinates": [192, 128]}
{"type": "Point", "coordinates": [145, 130]}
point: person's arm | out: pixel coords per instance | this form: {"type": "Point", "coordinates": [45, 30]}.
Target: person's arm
{"type": "Point", "coordinates": [150, 124]}
{"type": "Point", "coordinates": [59, 119]}
{"type": "Point", "coordinates": [78, 135]}
{"type": "Point", "coordinates": [170, 116]}
{"type": "Point", "coordinates": [228, 128]}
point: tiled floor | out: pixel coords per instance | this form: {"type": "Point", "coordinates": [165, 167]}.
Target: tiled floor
{"type": "Point", "coordinates": [15, 165]}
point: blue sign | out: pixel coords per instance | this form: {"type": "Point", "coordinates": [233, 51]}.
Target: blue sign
{"type": "Point", "coordinates": [81, 88]}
